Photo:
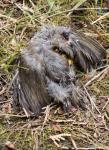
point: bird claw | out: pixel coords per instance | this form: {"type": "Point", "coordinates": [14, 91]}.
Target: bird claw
{"type": "Point", "coordinates": [67, 106]}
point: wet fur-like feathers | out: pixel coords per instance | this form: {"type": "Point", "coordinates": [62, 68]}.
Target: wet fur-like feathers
{"type": "Point", "coordinates": [44, 75]}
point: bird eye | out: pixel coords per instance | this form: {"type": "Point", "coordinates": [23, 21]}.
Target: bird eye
{"type": "Point", "coordinates": [66, 35]}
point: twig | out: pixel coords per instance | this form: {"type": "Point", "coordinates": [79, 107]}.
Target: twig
{"type": "Point", "coordinates": [105, 125]}
{"type": "Point", "coordinates": [36, 140]}
{"type": "Point", "coordinates": [12, 115]}
{"type": "Point", "coordinates": [69, 120]}
{"type": "Point", "coordinates": [100, 18]}
{"type": "Point", "coordinates": [97, 76]}
{"type": "Point", "coordinates": [46, 116]}
{"type": "Point", "coordinates": [74, 144]}
{"type": "Point", "coordinates": [105, 104]}
{"type": "Point", "coordinates": [92, 102]}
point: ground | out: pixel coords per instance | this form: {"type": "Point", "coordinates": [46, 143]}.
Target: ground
{"type": "Point", "coordinates": [54, 129]}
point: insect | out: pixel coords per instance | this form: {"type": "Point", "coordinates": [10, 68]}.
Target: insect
{"type": "Point", "coordinates": [47, 68]}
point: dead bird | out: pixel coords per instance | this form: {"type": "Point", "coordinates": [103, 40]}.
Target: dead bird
{"type": "Point", "coordinates": [46, 68]}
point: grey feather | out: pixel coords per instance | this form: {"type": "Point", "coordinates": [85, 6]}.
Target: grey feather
{"type": "Point", "coordinates": [44, 75]}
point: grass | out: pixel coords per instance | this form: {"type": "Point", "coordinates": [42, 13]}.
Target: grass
{"type": "Point", "coordinates": [18, 22]}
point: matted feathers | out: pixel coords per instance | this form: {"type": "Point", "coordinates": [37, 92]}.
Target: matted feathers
{"type": "Point", "coordinates": [45, 74]}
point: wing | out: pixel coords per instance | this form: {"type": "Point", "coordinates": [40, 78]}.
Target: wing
{"type": "Point", "coordinates": [30, 85]}
{"type": "Point", "coordinates": [88, 53]}
{"type": "Point", "coordinates": [85, 52]}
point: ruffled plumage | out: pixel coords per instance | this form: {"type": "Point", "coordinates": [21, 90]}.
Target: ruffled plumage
{"type": "Point", "coordinates": [45, 74]}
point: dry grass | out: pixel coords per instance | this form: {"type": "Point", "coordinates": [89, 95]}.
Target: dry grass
{"type": "Point", "coordinates": [54, 129]}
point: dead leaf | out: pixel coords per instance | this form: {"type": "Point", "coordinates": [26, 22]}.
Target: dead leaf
{"type": "Point", "coordinates": [56, 127]}
{"type": "Point", "coordinates": [6, 108]}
